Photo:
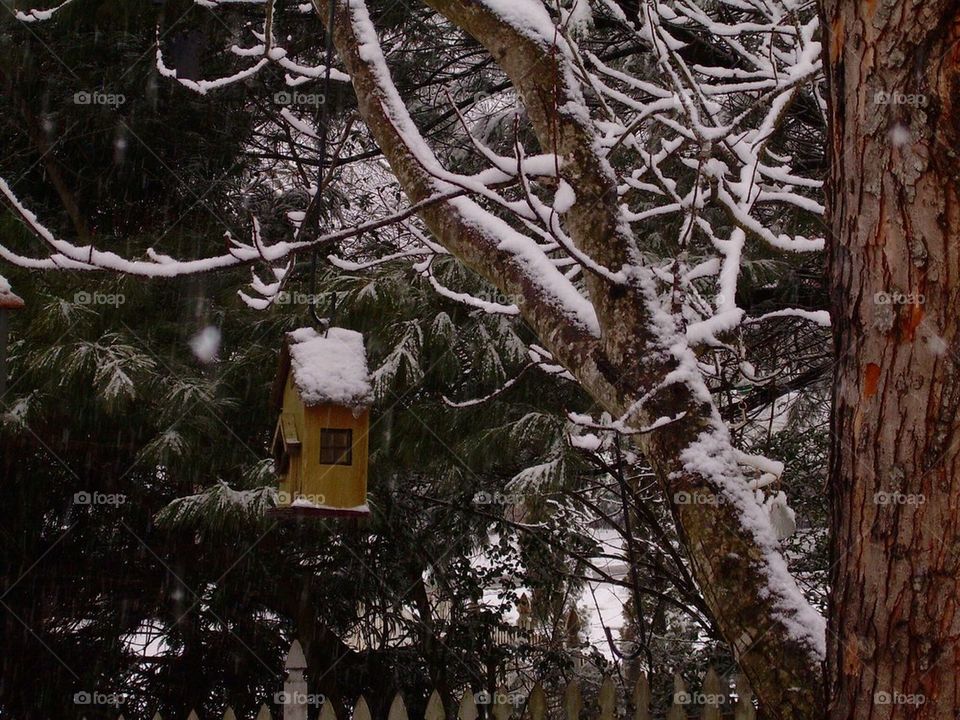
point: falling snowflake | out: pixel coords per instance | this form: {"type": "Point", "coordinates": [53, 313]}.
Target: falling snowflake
{"type": "Point", "coordinates": [206, 344]}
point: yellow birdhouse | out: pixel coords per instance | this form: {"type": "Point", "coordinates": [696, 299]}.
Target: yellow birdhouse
{"type": "Point", "coordinates": [323, 395]}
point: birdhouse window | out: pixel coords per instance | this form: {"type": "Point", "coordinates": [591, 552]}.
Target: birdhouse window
{"type": "Point", "coordinates": [336, 447]}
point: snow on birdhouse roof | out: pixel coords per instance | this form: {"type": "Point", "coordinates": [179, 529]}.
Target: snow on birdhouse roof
{"type": "Point", "coordinates": [8, 299]}
{"type": "Point", "coordinates": [330, 368]}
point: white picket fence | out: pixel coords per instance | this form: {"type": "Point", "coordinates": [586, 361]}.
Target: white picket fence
{"type": "Point", "coordinates": [714, 701]}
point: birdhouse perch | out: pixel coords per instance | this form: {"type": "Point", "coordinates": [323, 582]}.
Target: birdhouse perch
{"type": "Point", "coordinates": [323, 396]}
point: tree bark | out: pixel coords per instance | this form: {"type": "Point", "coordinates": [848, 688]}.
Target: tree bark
{"type": "Point", "coordinates": [894, 77]}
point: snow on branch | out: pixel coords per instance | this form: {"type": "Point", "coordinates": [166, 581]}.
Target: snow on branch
{"type": "Point", "coordinates": [694, 145]}
{"type": "Point", "coordinates": [267, 51]}
{"type": "Point", "coordinates": [524, 254]}
{"type": "Point", "coordinates": [486, 398]}
{"type": "Point", "coordinates": [64, 255]}
{"type": "Point", "coordinates": [31, 16]}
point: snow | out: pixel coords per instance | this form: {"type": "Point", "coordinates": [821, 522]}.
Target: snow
{"type": "Point", "coordinates": [330, 368]}
{"type": "Point", "coordinates": [564, 198]}
{"type": "Point", "coordinates": [713, 457]}
{"type": "Point", "coordinates": [587, 441]}
{"type": "Point", "coordinates": [673, 119]}
{"type": "Point", "coordinates": [603, 602]}
{"type": "Point", "coordinates": [298, 124]}
{"type": "Point", "coordinates": [8, 298]}
{"type": "Point", "coordinates": [782, 517]}
{"type": "Point", "coordinates": [206, 344]}
{"type": "Point", "coordinates": [204, 86]}
{"type": "Point", "coordinates": [493, 308]}
{"type": "Point", "coordinates": [40, 15]}
{"type": "Point", "coordinates": [302, 502]}
{"type": "Point", "coordinates": [900, 135]}
{"type": "Point", "coordinates": [820, 317]}
{"type": "Point", "coordinates": [537, 266]}
{"type": "Point", "coordinates": [530, 17]}
{"type": "Point", "coordinates": [580, 17]}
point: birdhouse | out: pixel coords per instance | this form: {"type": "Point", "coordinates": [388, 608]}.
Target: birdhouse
{"type": "Point", "coordinates": [323, 395]}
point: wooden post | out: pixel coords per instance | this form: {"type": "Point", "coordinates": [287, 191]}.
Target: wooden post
{"type": "Point", "coordinates": [8, 301]}
{"type": "Point", "coordinates": [295, 686]}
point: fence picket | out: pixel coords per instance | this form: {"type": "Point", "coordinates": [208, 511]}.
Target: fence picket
{"type": "Point", "coordinates": [361, 710]}
{"type": "Point", "coordinates": [573, 701]}
{"type": "Point", "coordinates": [678, 709]}
{"type": "Point", "coordinates": [537, 704]}
{"type": "Point", "coordinates": [715, 691]}
{"type": "Point", "coordinates": [607, 699]}
{"type": "Point", "coordinates": [641, 698]}
{"type": "Point", "coordinates": [327, 711]}
{"type": "Point", "coordinates": [714, 695]}
{"type": "Point", "coordinates": [398, 711]}
{"type": "Point", "coordinates": [744, 709]}
{"type": "Point", "coordinates": [434, 709]}
{"type": "Point", "coordinates": [501, 704]}
{"type": "Point", "coordinates": [468, 707]}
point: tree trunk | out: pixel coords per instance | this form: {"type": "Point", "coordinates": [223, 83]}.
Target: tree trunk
{"type": "Point", "coordinates": [895, 283]}
{"type": "Point", "coordinates": [776, 636]}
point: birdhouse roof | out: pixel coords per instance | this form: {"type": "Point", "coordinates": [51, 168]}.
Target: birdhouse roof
{"type": "Point", "coordinates": [9, 299]}
{"type": "Point", "coordinates": [327, 368]}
